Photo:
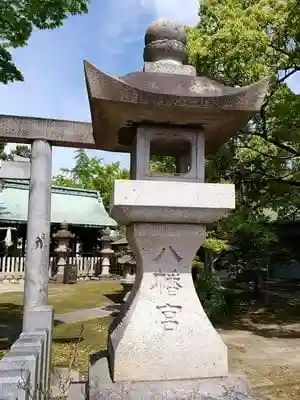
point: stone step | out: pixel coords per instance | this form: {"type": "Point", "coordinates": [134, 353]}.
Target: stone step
{"type": "Point", "coordinates": [78, 391]}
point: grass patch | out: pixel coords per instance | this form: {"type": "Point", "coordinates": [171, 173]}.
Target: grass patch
{"type": "Point", "coordinates": [73, 343]}
{"type": "Point", "coordinates": [63, 298]}
{"type": "Point", "coordinates": [66, 298]}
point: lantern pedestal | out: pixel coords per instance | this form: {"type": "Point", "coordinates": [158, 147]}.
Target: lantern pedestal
{"type": "Point", "coordinates": [165, 324]}
{"type": "Point", "coordinates": [173, 347]}
{"type": "Point", "coordinates": [231, 387]}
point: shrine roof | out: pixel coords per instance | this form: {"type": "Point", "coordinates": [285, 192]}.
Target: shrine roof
{"type": "Point", "coordinates": [75, 206]}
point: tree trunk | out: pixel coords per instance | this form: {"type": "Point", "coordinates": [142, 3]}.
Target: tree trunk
{"type": "Point", "coordinates": [258, 286]}
{"type": "Point", "coordinates": [209, 263]}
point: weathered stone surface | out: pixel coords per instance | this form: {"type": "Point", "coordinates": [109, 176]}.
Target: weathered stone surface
{"type": "Point", "coordinates": [77, 391]}
{"type": "Point", "coordinates": [101, 387]}
{"type": "Point", "coordinates": [165, 49]}
{"type": "Point", "coordinates": [70, 274]}
{"type": "Point", "coordinates": [169, 68]}
{"type": "Point", "coordinates": [119, 104]}
{"type": "Point", "coordinates": [106, 253]}
{"type": "Point", "coordinates": [167, 92]}
{"type": "Point", "coordinates": [165, 40]}
{"type": "Point", "coordinates": [59, 132]}
{"type": "Point", "coordinates": [41, 319]}
{"type": "Point", "coordinates": [65, 273]}
{"type": "Point", "coordinates": [38, 230]}
{"type": "Point", "coordinates": [14, 384]}
{"type": "Point", "coordinates": [32, 345]}
{"type": "Point", "coordinates": [186, 146]}
{"type": "Point", "coordinates": [24, 362]}
{"type": "Point", "coordinates": [29, 357]}
{"type": "Point", "coordinates": [162, 345]}
{"type": "Point", "coordinates": [157, 337]}
{"type": "Point", "coordinates": [164, 201]}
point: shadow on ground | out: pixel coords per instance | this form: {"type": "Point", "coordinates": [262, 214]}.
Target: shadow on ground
{"type": "Point", "coordinates": [67, 340]}
{"type": "Point", "coordinates": [10, 324]}
{"type": "Point", "coordinates": [275, 314]}
{"type": "Point", "coordinates": [116, 297]}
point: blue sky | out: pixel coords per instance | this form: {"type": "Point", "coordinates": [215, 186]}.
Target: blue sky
{"type": "Point", "coordinates": [111, 37]}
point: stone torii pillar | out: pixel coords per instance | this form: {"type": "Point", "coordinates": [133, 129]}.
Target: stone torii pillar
{"type": "Point", "coordinates": [38, 230]}
{"type": "Point", "coordinates": [39, 173]}
{"type": "Point", "coordinates": [36, 340]}
{"type": "Point", "coordinates": [37, 315]}
{"type": "Point", "coordinates": [41, 134]}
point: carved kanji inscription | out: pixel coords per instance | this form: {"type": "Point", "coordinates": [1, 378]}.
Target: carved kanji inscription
{"type": "Point", "coordinates": [173, 283]}
{"type": "Point", "coordinates": [170, 313]}
{"type": "Point", "coordinates": [164, 252]}
{"type": "Point", "coordinates": [170, 281]}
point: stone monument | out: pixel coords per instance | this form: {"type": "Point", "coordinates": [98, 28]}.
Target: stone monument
{"type": "Point", "coordinates": [65, 272]}
{"type": "Point", "coordinates": [106, 253]}
{"type": "Point", "coordinates": [162, 345]}
{"type": "Point", "coordinates": [129, 271]}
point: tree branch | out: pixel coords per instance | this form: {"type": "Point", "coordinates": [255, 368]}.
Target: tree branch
{"type": "Point", "coordinates": [280, 179]}
{"type": "Point", "coordinates": [269, 155]}
{"type": "Point", "coordinates": [283, 51]}
{"type": "Point", "coordinates": [283, 146]}
{"type": "Point", "coordinates": [290, 182]}
{"type": "Point", "coordinates": [275, 87]}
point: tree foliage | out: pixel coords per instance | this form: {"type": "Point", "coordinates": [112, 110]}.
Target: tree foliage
{"type": "Point", "coordinates": [238, 42]}
{"type": "Point", "coordinates": [19, 18]}
{"type": "Point", "coordinates": [21, 150]}
{"type": "Point", "coordinates": [91, 173]}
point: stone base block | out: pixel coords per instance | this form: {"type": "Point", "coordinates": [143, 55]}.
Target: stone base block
{"type": "Point", "coordinates": [70, 274]}
{"type": "Point", "coordinates": [127, 287]}
{"type": "Point", "coordinates": [105, 277]}
{"type": "Point", "coordinates": [101, 386]}
{"type": "Point", "coordinates": [58, 278]}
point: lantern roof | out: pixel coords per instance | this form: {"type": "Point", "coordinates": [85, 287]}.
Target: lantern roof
{"type": "Point", "coordinates": [167, 92]}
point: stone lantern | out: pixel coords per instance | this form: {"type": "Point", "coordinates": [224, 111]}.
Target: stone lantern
{"type": "Point", "coordinates": [162, 345]}
{"type": "Point", "coordinates": [65, 273]}
{"type": "Point", "coordinates": [106, 253]}
{"type": "Point", "coordinates": [128, 264]}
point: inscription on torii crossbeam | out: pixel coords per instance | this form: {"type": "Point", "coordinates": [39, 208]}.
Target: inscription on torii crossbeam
{"type": "Point", "coordinates": [58, 132]}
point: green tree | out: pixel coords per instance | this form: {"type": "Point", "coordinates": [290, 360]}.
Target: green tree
{"type": "Point", "coordinates": [3, 154]}
{"type": "Point", "coordinates": [238, 42]}
{"type": "Point", "coordinates": [21, 150]}
{"type": "Point", "coordinates": [91, 173]}
{"type": "Point", "coordinates": [18, 19]}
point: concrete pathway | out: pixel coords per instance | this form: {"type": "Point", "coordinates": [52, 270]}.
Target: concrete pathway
{"type": "Point", "coordinates": [11, 287]}
{"type": "Point", "coordinates": [86, 314]}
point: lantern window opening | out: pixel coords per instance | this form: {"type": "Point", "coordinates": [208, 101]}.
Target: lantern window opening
{"type": "Point", "coordinates": [172, 154]}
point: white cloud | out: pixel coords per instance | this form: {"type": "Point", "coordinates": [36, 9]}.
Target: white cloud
{"type": "Point", "coordinates": [185, 12]}
{"type": "Point", "coordinates": [110, 35]}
